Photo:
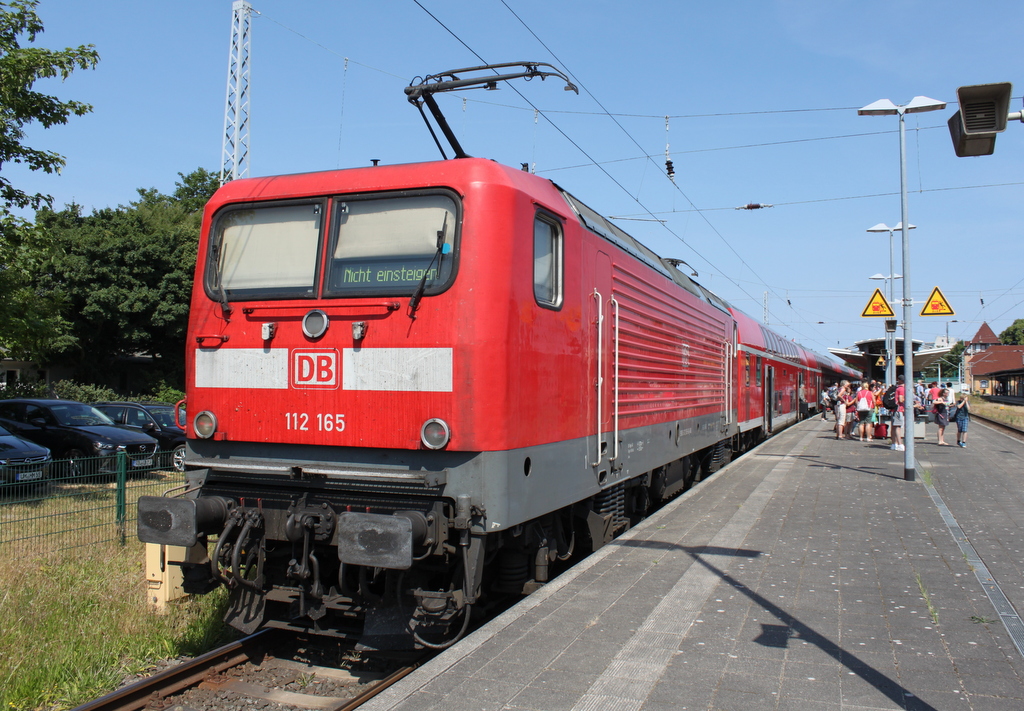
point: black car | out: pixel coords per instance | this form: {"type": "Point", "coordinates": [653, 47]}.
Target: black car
{"type": "Point", "coordinates": [156, 420]}
{"type": "Point", "coordinates": [77, 432]}
{"type": "Point", "coordinates": [22, 461]}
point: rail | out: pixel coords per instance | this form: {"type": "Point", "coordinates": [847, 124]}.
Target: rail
{"type": "Point", "coordinates": [1010, 430]}
{"type": "Point", "coordinates": [204, 671]}
{"type": "Point", "coordinates": [178, 678]}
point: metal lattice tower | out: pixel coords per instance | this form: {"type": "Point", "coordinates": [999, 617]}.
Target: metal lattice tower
{"type": "Point", "coordinates": [235, 153]}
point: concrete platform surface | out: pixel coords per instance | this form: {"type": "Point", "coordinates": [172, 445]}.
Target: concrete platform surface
{"type": "Point", "coordinates": [806, 575]}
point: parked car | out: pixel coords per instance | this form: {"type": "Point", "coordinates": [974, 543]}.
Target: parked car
{"type": "Point", "coordinates": [21, 461]}
{"type": "Point", "coordinates": [156, 420]}
{"type": "Point", "coordinates": [76, 432]}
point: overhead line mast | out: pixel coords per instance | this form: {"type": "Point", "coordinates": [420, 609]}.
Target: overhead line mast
{"type": "Point", "coordinates": [235, 152]}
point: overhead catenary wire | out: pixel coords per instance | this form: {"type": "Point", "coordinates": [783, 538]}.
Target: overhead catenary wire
{"type": "Point", "coordinates": [604, 112]}
{"type": "Point", "coordinates": [636, 199]}
{"type": "Point", "coordinates": [835, 199]}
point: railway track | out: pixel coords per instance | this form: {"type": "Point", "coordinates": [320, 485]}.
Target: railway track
{"type": "Point", "coordinates": [250, 670]}
{"type": "Point", "coordinates": [227, 685]}
{"type": "Point", "coordinates": [999, 426]}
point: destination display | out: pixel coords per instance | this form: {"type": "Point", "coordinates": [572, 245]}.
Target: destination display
{"type": "Point", "coordinates": [387, 275]}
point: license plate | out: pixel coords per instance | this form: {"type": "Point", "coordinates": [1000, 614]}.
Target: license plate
{"type": "Point", "coordinates": [142, 462]}
{"type": "Point", "coordinates": [29, 476]}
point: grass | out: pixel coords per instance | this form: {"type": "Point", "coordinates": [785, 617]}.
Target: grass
{"type": "Point", "coordinates": [927, 600]}
{"type": "Point", "coordinates": [1007, 414]}
{"type": "Point", "coordinates": [74, 623]}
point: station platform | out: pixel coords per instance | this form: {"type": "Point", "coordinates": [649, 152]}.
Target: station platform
{"type": "Point", "coordinates": [807, 574]}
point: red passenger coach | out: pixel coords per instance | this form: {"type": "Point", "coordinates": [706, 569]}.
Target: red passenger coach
{"type": "Point", "coordinates": [414, 389]}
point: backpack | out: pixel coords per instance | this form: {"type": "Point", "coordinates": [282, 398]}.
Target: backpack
{"type": "Point", "coordinates": [889, 399]}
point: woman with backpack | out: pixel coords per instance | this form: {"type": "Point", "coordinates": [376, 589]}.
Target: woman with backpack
{"type": "Point", "coordinates": [962, 415]}
{"type": "Point", "coordinates": [865, 400]}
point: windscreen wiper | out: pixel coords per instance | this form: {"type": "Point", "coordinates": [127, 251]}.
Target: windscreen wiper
{"type": "Point", "coordinates": [442, 248]}
{"type": "Point", "coordinates": [224, 305]}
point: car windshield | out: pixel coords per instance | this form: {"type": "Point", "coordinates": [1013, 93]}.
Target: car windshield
{"type": "Point", "coordinates": [78, 415]}
{"type": "Point", "coordinates": [163, 416]}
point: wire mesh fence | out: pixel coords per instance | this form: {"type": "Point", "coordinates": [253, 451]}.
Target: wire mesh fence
{"type": "Point", "coordinates": [79, 502]}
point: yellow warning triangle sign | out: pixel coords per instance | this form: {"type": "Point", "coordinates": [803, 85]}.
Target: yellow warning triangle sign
{"type": "Point", "coordinates": [880, 361]}
{"type": "Point", "coordinates": [878, 306]}
{"type": "Point", "coordinates": [899, 361]}
{"type": "Point", "coordinates": [936, 305]}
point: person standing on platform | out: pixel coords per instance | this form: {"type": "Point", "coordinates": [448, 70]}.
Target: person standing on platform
{"type": "Point", "coordinates": [962, 415]}
{"type": "Point", "coordinates": [898, 416]}
{"type": "Point", "coordinates": [865, 400]}
{"type": "Point", "coordinates": [941, 415]}
{"type": "Point", "coordinates": [843, 399]}
{"type": "Point", "coordinates": [826, 404]}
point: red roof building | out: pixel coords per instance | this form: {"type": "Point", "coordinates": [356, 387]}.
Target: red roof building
{"type": "Point", "coordinates": [998, 371]}
{"type": "Point", "coordinates": [983, 340]}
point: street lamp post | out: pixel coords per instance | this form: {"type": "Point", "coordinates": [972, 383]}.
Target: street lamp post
{"type": "Point", "coordinates": [884, 107]}
{"type": "Point", "coordinates": [890, 338]}
{"type": "Point", "coordinates": [947, 330]}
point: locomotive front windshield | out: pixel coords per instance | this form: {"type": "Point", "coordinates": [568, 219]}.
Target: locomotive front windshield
{"type": "Point", "coordinates": [265, 252]}
{"type": "Point", "coordinates": [376, 245]}
{"type": "Point", "coordinates": [389, 245]}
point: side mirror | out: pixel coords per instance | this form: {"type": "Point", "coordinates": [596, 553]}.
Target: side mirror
{"type": "Point", "coordinates": [38, 422]}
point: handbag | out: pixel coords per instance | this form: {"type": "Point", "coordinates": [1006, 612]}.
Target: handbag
{"type": "Point", "coordinates": [863, 405]}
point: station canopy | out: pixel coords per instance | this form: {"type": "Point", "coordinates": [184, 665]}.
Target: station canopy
{"type": "Point", "coordinates": [863, 354]}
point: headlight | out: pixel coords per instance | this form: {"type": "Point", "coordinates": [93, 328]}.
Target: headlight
{"type": "Point", "coordinates": [435, 433]}
{"type": "Point", "coordinates": [205, 424]}
{"type": "Point", "coordinates": [315, 323]}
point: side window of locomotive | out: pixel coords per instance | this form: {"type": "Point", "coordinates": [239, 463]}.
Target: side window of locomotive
{"type": "Point", "coordinates": [390, 245]}
{"type": "Point", "coordinates": [264, 252]}
{"type": "Point", "coordinates": [757, 374]}
{"type": "Point", "coordinates": [547, 262]}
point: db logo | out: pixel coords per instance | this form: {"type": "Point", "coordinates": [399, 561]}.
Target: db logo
{"type": "Point", "coordinates": [315, 369]}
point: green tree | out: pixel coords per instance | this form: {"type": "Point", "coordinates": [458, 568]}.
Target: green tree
{"type": "Point", "coordinates": [949, 363]}
{"type": "Point", "coordinates": [195, 189]}
{"type": "Point", "coordinates": [1014, 334]}
{"type": "Point", "coordinates": [125, 277]}
{"type": "Point", "coordinates": [31, 325]}
{"type": "Point", "coordinates": [20, 68]}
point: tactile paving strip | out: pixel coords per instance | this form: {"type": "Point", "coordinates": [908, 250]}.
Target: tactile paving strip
{"type": "Point", "coordinates": [1007, 614]}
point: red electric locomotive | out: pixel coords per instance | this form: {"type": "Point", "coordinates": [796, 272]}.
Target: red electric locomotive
{"type": "Point", "coordinates": [413, 386]}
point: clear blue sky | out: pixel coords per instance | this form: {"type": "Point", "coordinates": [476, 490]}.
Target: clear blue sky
{"type": "Point", "coordinates": [762, 98]}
